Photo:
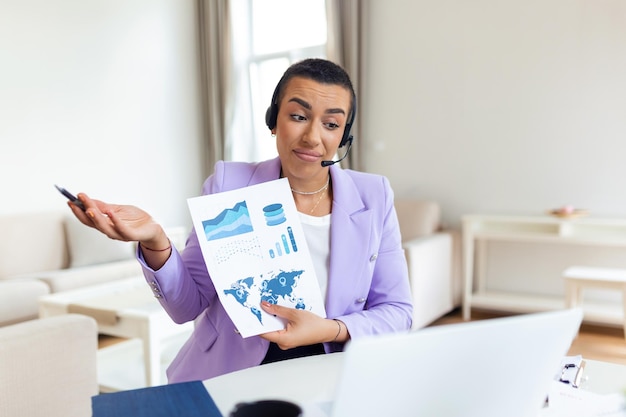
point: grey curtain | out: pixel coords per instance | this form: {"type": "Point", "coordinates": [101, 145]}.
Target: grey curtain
{"type": "Point", "coordinates": [345, 47]}
{"type": "Point", "coordinates": [215, 62]}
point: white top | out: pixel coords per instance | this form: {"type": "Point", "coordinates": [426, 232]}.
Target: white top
{"type": "Point", "coordinates": [317, 234]}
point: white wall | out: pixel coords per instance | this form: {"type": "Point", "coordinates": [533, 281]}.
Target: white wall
{"type": "Point", "coordinates": [492, 106]}
{"type": "Point", "coordinates": [487, 106]}
{"type": "Point", "coordinates": [100, 96]}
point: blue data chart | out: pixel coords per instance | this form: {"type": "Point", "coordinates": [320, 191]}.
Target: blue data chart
{"type": "Point", "coordinates": [274, 214]}
{"type": "Point", "coordinates": [230, 222]}
{"type": "Point", "coordinates": [286, 245]}
{"type": "Point", "coordinates": [292, 239]}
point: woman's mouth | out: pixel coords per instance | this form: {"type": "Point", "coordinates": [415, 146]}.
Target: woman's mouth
{"type": "Point", "coordinates": [308, 156]}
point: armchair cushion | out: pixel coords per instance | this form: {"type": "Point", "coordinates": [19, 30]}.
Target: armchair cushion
{"type": "Point", "coordinates": [417, 217]}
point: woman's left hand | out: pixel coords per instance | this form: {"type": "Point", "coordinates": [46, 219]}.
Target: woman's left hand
{"type": "Point", "coordinates": [303, 327]}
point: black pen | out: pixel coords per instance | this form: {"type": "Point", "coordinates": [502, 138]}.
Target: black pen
{"type": "Point", "coordinates": [71, 197]}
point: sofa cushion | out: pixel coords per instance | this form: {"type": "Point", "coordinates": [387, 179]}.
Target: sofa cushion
{"type": "Point", "coordinates": [74, 278]}
{"type": "Point", "coordinates": [88, 246]}
{"type": "Point", "coordinates": [417, 218]}
{"type": "Point", "coordinates": [32, 242]}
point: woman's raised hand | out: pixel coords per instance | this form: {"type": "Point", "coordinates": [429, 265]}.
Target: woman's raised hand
{"type": "Point", "coordinates": [120, 222]}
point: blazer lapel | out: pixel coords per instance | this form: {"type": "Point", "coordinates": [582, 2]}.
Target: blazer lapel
{"type": "Point", "coordinates": [349, 243]}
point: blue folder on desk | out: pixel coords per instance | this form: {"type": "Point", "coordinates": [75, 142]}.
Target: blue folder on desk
{"type": "Point", "coordinates": [189, 399]}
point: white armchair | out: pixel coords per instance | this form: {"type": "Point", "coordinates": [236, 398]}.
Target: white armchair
{"type": "Point", "coordinates": [429, 253]}
{"type": "Point", "coordinates": [48, 367]}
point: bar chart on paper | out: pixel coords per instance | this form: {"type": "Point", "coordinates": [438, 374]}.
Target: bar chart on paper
{"type": "Point", "coordinates": [286, 245]}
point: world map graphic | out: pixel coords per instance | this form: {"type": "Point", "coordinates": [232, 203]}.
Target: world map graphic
{"type": "Point", "coordinates": [249, 293]}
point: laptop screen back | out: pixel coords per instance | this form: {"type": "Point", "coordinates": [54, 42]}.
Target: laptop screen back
{"type": "Point", "coordinates": [488, 368]}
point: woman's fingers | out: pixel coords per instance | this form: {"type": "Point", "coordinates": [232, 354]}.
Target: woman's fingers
{"type": "Point", "coordinates": [119, 222]}
{"type": "Point", "coordinates": [80, 214]}
{"type": "Point", "coordinates": [276, 310]}
{"type": "Point", "coordinates": [96, 216]}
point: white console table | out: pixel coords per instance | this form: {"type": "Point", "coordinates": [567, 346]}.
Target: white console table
{"type": "Point", "coordinates": [565, 242]}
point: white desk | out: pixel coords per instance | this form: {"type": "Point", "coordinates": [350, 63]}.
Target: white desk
{"type": "Point", "coordinates": [305, 381]}
{"type": "Point", "coordinates": [312, 380]}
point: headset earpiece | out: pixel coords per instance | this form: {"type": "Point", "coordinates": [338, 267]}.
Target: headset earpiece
{"type": "Point", "coordinates": [347, 137]}
{"type": "Point", "coordinates": [271, 115]}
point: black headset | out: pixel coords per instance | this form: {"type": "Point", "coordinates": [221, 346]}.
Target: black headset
{"type": "Point", "coordinates": [272, 114]}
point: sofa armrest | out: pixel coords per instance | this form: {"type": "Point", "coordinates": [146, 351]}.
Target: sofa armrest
{"type": "Point", "coordinates": [19, 300]}
{"type": "Point", "coordinates": [48, 367]}
{"type": "Point", "coordinates": [429, 259]}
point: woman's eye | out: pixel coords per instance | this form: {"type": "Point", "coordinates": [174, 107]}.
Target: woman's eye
{"type": "Point", "coordinates": [332, 125]}
{"type": "Point", "coordinates": [298, 117]}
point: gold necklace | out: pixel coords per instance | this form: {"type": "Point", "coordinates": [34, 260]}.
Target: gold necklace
{"type": "Point", "coordinates": [318, 200]}
{"type": "Point", "coordinates": [313, 192]}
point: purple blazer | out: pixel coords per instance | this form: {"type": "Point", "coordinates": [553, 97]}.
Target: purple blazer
{"type": "Point", "coordinates": [368, 285]}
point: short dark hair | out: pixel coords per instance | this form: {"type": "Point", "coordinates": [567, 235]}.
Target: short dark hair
{"type": "Point", "coordinates": [316, 69]}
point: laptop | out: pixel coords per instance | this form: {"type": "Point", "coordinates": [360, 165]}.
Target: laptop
{"type": "Point", "coordinates": [488, 368]}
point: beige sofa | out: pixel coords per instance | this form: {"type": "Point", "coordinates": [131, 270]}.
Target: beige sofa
{"type": "Point", "coordinates": [47, 252]}
{"type": "Point", "coordinates": [55, 249]}
{"type": "Point", "coordinates": [48, 367]}
{"type": "Point", "coordinates": [432, 258]}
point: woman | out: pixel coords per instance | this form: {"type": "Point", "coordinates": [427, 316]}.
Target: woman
{"type": "Point", "coordinates": [348, 218]}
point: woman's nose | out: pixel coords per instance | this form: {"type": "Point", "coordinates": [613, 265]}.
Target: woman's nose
{"type": "Point", "coordinates": [312, 134]}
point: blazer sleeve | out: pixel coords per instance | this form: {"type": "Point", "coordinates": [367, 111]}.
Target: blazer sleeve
{"type": "Point", "coordinates": [183, 285]}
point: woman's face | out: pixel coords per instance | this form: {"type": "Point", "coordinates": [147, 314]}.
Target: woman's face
{"type": "Point", "coordinates": [309, 126]}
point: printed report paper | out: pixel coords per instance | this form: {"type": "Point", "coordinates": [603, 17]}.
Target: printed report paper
{"type": "Point", "coordinates": [255, 249]}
